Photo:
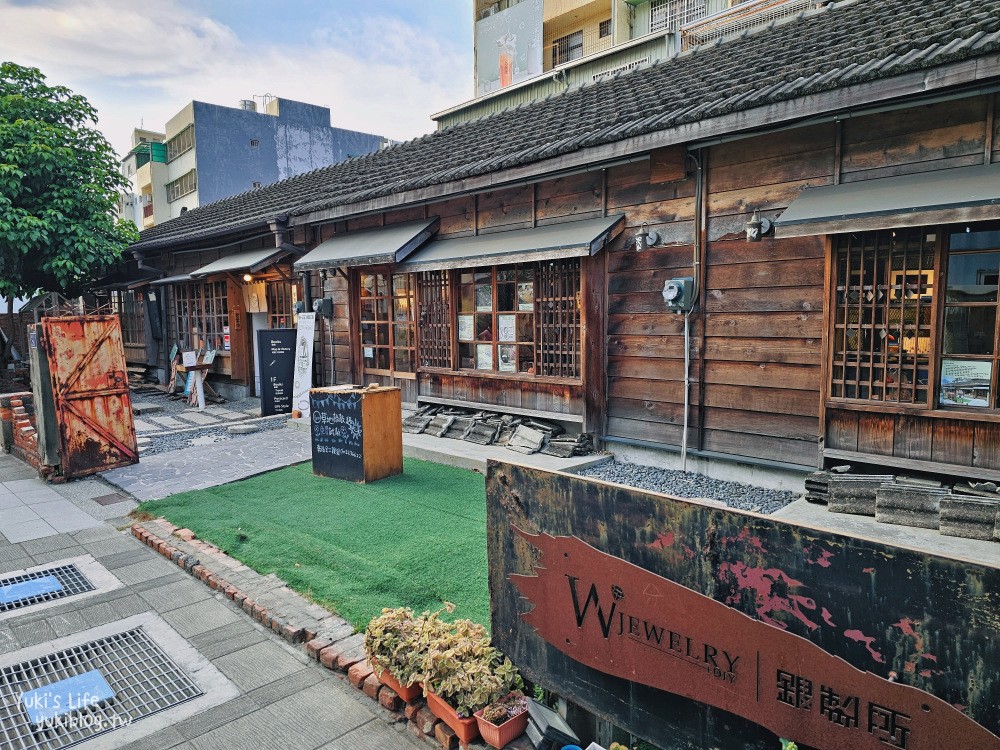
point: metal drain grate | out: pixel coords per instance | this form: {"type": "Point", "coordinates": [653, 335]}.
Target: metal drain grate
{"type": "Point", "coordinates": [42, 586]}
{"type": "Point", "coordinates": [67, 692]}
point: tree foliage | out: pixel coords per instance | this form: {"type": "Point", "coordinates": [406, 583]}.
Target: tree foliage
{"type": "Point", "coordinates": [59, 186]}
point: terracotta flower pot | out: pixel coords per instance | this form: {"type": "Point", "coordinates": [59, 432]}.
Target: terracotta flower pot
{"type": "Point", "coordinates": [499, 735]}
{"type": "Point", "coordinates": [408, 693]}
{"type": "Point", "coordinates": [466, 729]}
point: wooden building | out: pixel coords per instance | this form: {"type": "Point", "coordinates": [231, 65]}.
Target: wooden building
{"type": "Point", "coordinates": [495, 262]}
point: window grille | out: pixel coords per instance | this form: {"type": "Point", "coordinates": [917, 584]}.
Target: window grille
{"type": "Point", "coordinates": [567, 48]}
{"type": "Point", "coordinates": [201, 312]}
{"type": "Point", "coordinates": [434, 297]}
{"type": "Point", "coordinates": [180, 143]}
{"type": "Point", "coordinates": [183, 185]}
{"type": "Point", "coordinates": [670, 15]}
{"type": "Point", "coordinates": [883, 316]}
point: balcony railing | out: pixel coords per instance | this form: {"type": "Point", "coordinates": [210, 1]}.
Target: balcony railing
{"type": "Point", "coordinates": [575, 46]}
{"type": "Point", "coordinates": [736, 20]}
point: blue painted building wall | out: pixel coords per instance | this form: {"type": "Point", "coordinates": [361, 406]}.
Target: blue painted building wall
{"type": "Point", "coordinates": [298, 139]}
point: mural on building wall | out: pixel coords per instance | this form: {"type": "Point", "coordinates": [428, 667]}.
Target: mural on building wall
{"type": "Point", "coordinates": [509, 46]}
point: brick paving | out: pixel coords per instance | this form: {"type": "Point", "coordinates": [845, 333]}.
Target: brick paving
{"type": "Point", "coordinates": [274, 695]}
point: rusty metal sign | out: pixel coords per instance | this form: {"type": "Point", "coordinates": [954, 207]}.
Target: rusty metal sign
{"type": "Point", "coordinates": [628, 622]}
{"type": "Point", "coordinates": [89, 381]}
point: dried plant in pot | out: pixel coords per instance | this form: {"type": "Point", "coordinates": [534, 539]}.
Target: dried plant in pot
{"type": "Point", "coordinates": [505, 720]}
{"type": "Point", "coordinates": [463, 673]}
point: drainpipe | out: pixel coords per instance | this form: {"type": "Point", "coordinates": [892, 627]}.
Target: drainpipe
{"type": "Point", "coordinates": [699, 233]}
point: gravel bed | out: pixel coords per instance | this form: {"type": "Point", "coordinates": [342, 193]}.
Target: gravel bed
{"type": "Point", "coordinates": [681, 484]}
{"type": "Point", "coordinates": [170, 406]}
{"type": "Point", "coordinates": [212, 434]}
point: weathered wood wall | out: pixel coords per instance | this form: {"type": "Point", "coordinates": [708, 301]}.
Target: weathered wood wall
{"type": "Point", "coordinates": [757, 340]}
{"type": "Point", "coordinates": [881, 608]}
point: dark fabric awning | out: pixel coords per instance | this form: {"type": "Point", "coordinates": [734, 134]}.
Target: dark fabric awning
{"type": "Point", "coordinates": [370, 247]}
{"type": "Point", "coordinates": [942, 197]}
{"type": "Point", "coordinates": [183, 278]}
{"type": "Point", "coordinates": [571, 239]}
{"type": "Point", "coordinates": [249, 260]}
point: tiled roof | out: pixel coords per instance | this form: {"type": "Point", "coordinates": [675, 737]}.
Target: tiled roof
{"type": "Point", "coordinates": [840, 45]}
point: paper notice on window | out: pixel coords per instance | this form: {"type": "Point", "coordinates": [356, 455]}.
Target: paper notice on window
{"type": "Point", "coordinates": [508, 358]}
{"type": "Point", "coordinates": [466, 328]}
{"type": "Point", "coordinates": [526, 297]}
{"type": "Point", "coordinates": [506, 328]}
{"type": "Point", "coordinates": [369, 352]}
{"type": "Point", "coordinates": [484, 356]}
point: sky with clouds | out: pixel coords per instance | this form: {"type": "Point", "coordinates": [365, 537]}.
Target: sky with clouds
{"type": "Point", "coordinates": [381, 67]}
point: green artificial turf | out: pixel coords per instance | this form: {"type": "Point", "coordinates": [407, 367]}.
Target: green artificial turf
{"type": "Point", "coordinates": [415, 540]}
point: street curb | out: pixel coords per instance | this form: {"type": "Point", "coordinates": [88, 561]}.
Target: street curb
{"type": "Point", "coordinates": [335, 646]}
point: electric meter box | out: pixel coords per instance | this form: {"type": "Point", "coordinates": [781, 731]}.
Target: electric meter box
{"type": "Point", "coordinates": [323, 307]}
{"type": "Point", "coordinates": [679, 294]}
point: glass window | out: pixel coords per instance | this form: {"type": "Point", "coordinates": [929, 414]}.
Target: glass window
{"type": "Point", "coordinates": [388, 333]}
{"type": "Point", "coordinates": [969, 341]}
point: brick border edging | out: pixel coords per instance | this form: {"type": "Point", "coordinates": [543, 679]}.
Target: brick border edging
{"type": "Point", "coordinates": [343, 653]}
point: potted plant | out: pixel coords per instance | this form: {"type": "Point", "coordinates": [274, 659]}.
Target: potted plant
{"type": "Point", "coordinates": [504, 720]}
{"type": "Point", "coordinates": [463, 673]}
{"type": "Point", "coordinates": [392, 644]}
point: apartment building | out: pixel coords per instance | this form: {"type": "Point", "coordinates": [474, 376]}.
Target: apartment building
{"type": "Point", "coordinates": [209, 151]}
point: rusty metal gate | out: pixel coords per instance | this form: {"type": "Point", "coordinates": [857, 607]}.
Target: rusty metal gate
{"type": "Point", "coordinates": [93, 407]}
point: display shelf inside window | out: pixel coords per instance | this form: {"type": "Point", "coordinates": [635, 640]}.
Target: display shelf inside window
{"type": "Point", "coordinates": [434, 295]}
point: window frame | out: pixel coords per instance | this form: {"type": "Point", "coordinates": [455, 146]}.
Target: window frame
{"type": "Point", "coordinates": [993, 407]}
{"type": "Point", "coordinates": [181, 143]}
{"type": "Point", "coordinates": [391, 323]}
{"type": "Point", "coordinates": [939, 305]}
{"type": "Point", "coordinates": [186, 184]}
{"type": "Point", "coordinates": [204, 302]}
{"type": "Point", "coordinates": [566, 43]}
{"type": "Point", "coordinates": [130, 306]}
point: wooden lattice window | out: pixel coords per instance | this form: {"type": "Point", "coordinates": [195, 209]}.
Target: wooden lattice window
{"type": "Point", "coordinates": [131, 310]}
{"type": "Point", "coordinates": [558, 319]}
{"type": "Point", "coordinates": [388, 332]}
{"type": "Point", "coordinates": [281, 299]}
{"type": "Point", "coordinates": [883, 316]}
{"type": "Point", "coordinates": [201, 312]}
{"type": "Point", "coordinates": [434, 296]}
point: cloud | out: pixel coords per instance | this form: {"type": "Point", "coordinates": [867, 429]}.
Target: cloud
{"type": "Point", "coordinates": [376, 73]}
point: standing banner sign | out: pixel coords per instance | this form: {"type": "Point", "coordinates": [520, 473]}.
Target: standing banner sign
{"type": "Point", "coordinates": [303, 364]}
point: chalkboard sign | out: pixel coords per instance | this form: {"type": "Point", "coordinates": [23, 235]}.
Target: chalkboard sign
{"type": "Point", "coordinates": [276, 361]}
{"type": "Point", "coordinates": [337, 434]}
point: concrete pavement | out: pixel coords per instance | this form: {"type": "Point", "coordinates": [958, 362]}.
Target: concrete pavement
{"type": "Point", "coordinates": [257, 690]}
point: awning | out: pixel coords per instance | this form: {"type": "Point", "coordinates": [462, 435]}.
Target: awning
{"type": "Point", "coordinates": [370, 247]}
{"type": "Point", "coordinates": [183, 278]}
{"type": "Point", "coordinates": [570, 239]}
{"type": "Point", "coordinates": [250, 260]}
{"type": "Point", "coordinates": [942, 197]}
